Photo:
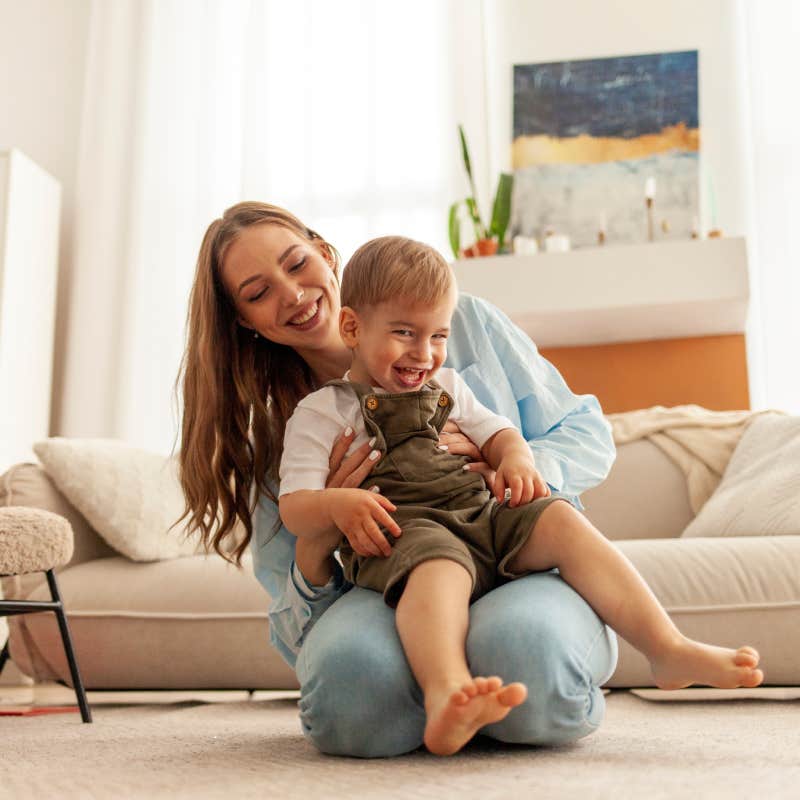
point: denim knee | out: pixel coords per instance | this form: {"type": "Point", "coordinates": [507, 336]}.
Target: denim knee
{"type": "Point", "coordinates": [358, 696]}
{"type": "Point", "coordinates": [539, 631]}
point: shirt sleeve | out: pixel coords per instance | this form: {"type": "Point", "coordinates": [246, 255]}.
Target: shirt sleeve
{"type": "Point", "coordinates": [472, 417]}
{"type": "Point", "coordinates": [310, 434]}
{"type": "Point", "coordinates": [296, 605]}
{"type": "Point", "coordinates": [570, 438]}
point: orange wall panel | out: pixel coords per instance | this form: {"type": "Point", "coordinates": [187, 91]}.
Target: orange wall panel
{"type": "Point", "coordinates": [710, 371]}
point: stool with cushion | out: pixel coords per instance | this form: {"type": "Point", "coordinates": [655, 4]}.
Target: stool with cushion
{"type": "Point", "coordinates": [33, 540]}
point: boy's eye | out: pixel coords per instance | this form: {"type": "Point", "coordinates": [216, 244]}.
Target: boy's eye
{"type": "Point", "coordinates": [402, 332]}
{"type": "Point", "coordinates": [442, 336]}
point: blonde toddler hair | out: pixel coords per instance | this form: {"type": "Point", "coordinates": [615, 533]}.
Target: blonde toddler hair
{"type": "Point", "coordinates": [395, 268]}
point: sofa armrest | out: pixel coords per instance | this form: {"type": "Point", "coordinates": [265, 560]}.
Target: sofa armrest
{"type": "Point", "coordinates": [29, 485]}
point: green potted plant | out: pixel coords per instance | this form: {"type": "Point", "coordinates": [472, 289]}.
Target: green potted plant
{"type": "Point", "coordinates": [488, 241]}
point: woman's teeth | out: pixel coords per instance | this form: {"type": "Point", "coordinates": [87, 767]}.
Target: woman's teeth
{"type": "Point", "coordinates": [300, 319]}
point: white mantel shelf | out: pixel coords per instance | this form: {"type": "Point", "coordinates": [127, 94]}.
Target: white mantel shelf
{"type": "Point", "coordinates": [622, 293]}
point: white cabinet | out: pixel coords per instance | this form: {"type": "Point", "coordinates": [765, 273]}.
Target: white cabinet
{"type": "Point", "coordinates": [30, 203]}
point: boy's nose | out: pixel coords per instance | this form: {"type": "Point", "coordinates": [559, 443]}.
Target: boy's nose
{"type": "Point", "coordinates": [422, 352]}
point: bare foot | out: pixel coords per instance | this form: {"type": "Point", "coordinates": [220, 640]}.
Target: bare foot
{"type": "Point", "coordinates": [454, 717]}
{"type": "Point", "coordinates": [690, 662]}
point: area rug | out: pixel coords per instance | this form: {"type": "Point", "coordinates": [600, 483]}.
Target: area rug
{"type": "Point", "coordinates": [254, 749]}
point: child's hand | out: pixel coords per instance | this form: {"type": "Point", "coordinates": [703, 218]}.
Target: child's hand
{"type": "Point", "coordinates": [357, 513]}
{"type": "Point", "coordinates": [517, 472]}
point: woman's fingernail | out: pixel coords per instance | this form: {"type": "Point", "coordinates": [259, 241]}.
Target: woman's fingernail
{"type": "Point", "coordinates": [375, 488]}
{"type": "Point", "coordinates": [443, 447]}
{"type": "Point", "coordinates": [465, 467]}
{"type": "Point", "coordinates": [348, 431]}
{"type": "Point", "coordinates": [374, 455]}
{"type": "Point", "coordinates": [373, 440]}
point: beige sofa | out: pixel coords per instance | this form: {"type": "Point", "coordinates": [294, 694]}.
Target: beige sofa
{"type": "Point", "coordinates": [196, 622]}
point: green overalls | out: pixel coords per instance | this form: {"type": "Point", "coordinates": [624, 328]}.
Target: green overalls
{"type": "Point", "coordinates": [442, 510]}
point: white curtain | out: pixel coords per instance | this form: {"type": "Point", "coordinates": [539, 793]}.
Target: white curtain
{"type": "Point", "coordinates": [770, 32]}
{"type": "Point", "coordinates": [344, 112]}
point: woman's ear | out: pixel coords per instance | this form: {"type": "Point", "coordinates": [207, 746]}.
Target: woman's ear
{"type": "Point", "coordinates": [349, 326]}
{"type": "Point", "coordinates": [244, 323]}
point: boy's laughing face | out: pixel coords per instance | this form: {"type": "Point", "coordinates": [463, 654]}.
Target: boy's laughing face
{"type": "Point", "coordinates": [398, 345]}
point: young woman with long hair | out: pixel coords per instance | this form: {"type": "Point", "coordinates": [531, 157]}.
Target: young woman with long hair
{"type": "Point", "coordinates": [262, 333]}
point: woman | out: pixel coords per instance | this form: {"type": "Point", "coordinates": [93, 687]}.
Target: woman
{"type": "Point", "coordinates": [262, 333]}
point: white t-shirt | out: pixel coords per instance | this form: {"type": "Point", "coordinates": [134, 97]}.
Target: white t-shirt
{"type": "Point", "coordinates": [321, 417]}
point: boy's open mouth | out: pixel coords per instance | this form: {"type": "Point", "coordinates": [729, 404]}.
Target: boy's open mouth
{"type": "Point", "coordinates": [409, 376]}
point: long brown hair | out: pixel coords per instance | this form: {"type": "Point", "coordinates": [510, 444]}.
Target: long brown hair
{"type": "Point", "coordinates": [238, 392]}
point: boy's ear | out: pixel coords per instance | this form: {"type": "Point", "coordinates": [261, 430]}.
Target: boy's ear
{"type": "Point", "coordinates": [349, 327]}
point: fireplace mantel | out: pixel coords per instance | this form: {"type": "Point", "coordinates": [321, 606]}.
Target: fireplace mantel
{"type": "Point", "coordinates": [623, 293]}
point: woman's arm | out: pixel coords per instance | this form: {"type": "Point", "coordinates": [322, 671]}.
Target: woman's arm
{"type": "Point", "coordinates": [298, 599]}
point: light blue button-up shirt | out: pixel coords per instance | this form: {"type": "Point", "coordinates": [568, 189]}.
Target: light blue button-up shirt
{"type": "Point", "coordinates": [570, 439]}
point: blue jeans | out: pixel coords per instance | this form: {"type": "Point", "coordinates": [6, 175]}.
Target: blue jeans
{"type": "Point", "coordinates": [359, 698]}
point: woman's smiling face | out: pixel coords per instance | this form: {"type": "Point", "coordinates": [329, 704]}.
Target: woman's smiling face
{"type": "Point", "coordinates": [283, 287]}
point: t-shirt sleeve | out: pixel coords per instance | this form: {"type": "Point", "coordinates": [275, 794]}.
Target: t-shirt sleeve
{"type": "Point", "coordinates": [474, 419]}
{"type": "Point", "coordinates": [310, 434]}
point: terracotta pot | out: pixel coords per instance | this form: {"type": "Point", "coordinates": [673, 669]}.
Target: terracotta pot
{"type": "Point", "coordinates": [483, 247]}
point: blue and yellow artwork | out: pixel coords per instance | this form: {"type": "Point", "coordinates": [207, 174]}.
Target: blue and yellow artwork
{"type": "Point", "coordinates": [592, 137]}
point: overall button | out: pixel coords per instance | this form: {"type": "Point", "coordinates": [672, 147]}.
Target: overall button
{"type": "Point", "coordinates": [443, 400]}
{"type": "Point", "coordinates": [372, 402]}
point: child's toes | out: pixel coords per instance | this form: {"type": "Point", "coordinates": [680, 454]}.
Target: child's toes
{"type": "Point", "coordinates": [494, 683]}
{"type": "Point", "coordinates": [751, 678]}
{"type": "Point", "coordinates": [746, 657]}
{"type": "Point", "coordinates": [482, 685]}
{"type": "Point", "coordinates": [469, 689]}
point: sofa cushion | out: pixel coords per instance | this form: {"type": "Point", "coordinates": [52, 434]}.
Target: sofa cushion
{"type": "Point", "coordinates": [760, 491]}
{"type": "Point", "coordinates": [187, 623]}
{"type": "Point", "coordinates": [645, 495]}
{"type": "Point", "coordinates": [131, 497]}
{"type": "Point", "coordinates": [727, 592]}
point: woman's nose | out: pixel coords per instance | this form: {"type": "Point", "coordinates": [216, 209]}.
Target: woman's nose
{"type": "Point", "coordinates": [291, 294]}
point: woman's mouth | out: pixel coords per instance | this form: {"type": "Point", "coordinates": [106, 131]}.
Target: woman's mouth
{"type": "Point", "coordinates": [410, 377]}
{"type": "Point", "coordinates": [306, 318]}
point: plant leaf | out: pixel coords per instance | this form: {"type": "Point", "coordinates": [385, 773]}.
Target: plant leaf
{"type": "Point", "coordinates": [454, 230]}
{"type": "Point", "coordinates": [501, 211]}
{"type": "Point", "coordinates": [480, 233]}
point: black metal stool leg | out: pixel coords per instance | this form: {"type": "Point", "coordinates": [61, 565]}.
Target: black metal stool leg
{"type": "Point", "coordinates": [4, 656]}
{"type": "Point", "coordinates": [86, 713]}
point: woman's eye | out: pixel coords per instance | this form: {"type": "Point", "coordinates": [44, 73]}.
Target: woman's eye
{"type": "Point", "coordinates": [298, 265]}
{"type": "Point", "coordinates": [257, 296]}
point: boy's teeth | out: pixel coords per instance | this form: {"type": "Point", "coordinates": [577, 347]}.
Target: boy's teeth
{"type": "Point", "coordinates": [301, 318]}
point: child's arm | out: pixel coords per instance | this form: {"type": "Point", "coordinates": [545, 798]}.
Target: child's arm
{"type": "Point", "coordinates": [319, 513]}
{"type": "Point", "coordinates": [508, 453]}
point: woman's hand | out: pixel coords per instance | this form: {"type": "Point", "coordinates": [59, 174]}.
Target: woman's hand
{"type": "Point", "coordinates": [350, 472]}
{"type": "Point", "coordinates": [460, 444]}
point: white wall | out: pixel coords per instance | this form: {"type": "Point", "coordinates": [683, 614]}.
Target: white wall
{"type": "Point", "coordinates": [43, 48]}
{"type": "Point", "coordinates": [532, 31]}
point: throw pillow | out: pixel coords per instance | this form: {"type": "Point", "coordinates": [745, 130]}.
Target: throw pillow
{"type": "Point", "coordinates": [759, 494]}
{"type": "Point", "coordinates": [131, 497]}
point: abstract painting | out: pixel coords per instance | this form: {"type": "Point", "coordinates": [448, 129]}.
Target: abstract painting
{"type": "Point", "coordinates": [591, 136]}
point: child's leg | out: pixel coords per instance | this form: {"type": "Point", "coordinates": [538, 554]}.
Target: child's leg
{"type": "Point", "coordinates": [432, 620]}
{"type": "Point", "coordinates": [587, 561]}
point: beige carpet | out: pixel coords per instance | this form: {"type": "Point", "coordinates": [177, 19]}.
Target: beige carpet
{"type": "Point", "coordinates": [253, 748]}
